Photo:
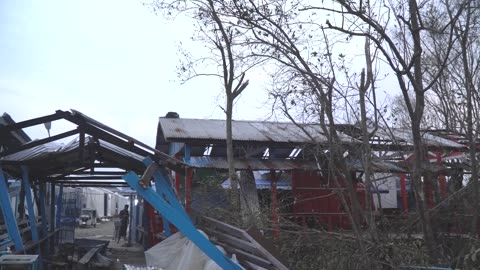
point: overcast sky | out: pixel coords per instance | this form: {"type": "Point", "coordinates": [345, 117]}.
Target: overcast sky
{"type": "Point", "coordinates": [113, 60]}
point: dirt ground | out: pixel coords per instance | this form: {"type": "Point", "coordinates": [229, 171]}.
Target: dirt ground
{"type": "Point", "coordinates": [120, 252]}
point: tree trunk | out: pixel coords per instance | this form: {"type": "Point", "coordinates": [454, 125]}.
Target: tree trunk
{"type": "Point", "coordinates": [417, 181]}
{"type": "Point", "coordinates": [366, 158]}
{"type": "Point", "coordinates": [250, 206]}
{"type": "Point", "coordinates": [416, 117]}
{"type": "Point", "coordinates": [230, 156]}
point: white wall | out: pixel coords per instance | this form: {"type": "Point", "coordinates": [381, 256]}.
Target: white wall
{"type": "Point", "coordinates": [386, 182]}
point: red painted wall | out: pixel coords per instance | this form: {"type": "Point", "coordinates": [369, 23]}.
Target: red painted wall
{"type": "Point", "coordinates": [317, 203]}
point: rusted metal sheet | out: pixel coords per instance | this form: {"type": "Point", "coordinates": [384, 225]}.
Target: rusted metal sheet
{"type": "Point", "coordinates": [179, 129]}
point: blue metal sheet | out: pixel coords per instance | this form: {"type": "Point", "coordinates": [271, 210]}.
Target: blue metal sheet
{"type": "Point", "coordinates": [166, 224]}
{"type": "Point", "coordinates": [163, 188]}
{"type": "Point", "coordinates": [29, 199]}
{"type": "Point", "coordinates": [187, 154]}
{"type": "Point", "coordinates": [8, 215]}
{"type": "Point", "coordinates": [179, 218]}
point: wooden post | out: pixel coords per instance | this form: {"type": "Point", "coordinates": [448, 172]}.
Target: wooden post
{"type": "Point", "coordinates": [274, 205]}
{"type": "Point", "coordinates": [403, 188]}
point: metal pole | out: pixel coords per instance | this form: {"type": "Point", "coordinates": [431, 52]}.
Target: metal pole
{"type": "Point", "coordinates": [137, 218]}
{"type": "Point", "coordinates": [52, 207]}
{"type": "Point", "coordinates": [130, 221]}
{"type": "Point", "coordinates": [52, 218]}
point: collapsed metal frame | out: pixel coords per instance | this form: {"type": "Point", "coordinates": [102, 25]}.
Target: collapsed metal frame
{"type": "Point", "coordinates": [82, 161]}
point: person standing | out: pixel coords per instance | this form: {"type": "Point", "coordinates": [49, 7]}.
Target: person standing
{"type": "Point", "coordinates": [124, 217]}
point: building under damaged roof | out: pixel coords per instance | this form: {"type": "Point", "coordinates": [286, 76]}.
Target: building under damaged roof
{"type": "Point", "coordinates": [301, 151]}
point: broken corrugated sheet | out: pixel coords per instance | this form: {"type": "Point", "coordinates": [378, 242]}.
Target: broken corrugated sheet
{"type": "Point", "coordinates": [404, 136]}
{"type": "Point", "coordinates": [43, 150]}
{"type": "Point", "coordinates": [254, 164]}
{"type": "Point", "coordinates": [34, 152]}
{"type": "Point", "coordinates": [283, 164]}
{"type": "Point", "coordinates": [175, 129]}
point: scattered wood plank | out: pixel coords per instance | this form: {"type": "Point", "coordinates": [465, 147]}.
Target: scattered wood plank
{"type": "Point", "coordinates": [88, 256]}
{"type": "Point", "coordinates": [251, 248]}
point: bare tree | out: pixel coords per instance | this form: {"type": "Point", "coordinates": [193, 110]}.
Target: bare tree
{"type": "Point", "coordinates": [455, 97]}
{"type": "Point", "coordinates": [402, 48]}
{"type": "Point", "coordinates": [216, 30]}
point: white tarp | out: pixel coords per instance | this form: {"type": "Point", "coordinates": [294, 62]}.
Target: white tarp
{"type": "Point", "coordinates": [95, 198]}
{"type": "Point", "coordinates": [177, 252]}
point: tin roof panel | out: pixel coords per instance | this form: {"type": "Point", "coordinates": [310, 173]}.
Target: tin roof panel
{"type": "Point", "coordinates": [178, 129]}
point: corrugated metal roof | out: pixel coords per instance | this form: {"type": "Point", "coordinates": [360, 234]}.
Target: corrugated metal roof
{"type": "Point", "coordinates": [18, 135]}
{"type": "Point", "coordinates": [120, 150]}
{"type": "Point", "coordinates": [34, 152]}
{"type": "Point", "coordinates": [43, 150]}
{"type": "Point", "coordinates": [178, 129]}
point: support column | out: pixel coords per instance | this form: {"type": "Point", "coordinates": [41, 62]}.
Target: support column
{"type": "Point", "coordinates": [273, 177]}
{"type": "Point", "coordinates": [129, 243]}
{"type": "Point", "coordinates": [137, 218]}
{"type": "Point", "coordinates": [146, 227]}
{"type": "Point", "coordinates": [188, 180]}
{"type": "Point", "coordinates": [43, 213]}
{"type": "Point", "coordinates": [52, 240]}
{"type": "Point", "coordinates": [8, 215]}
{"type": "Point", "coordinates": [29, 199]}
{"type": "Point", "coordinates": [403, 188]}
{"type": "Point", "coordinates": [59, 205]}
{"type": "Point", "coordinates": [52, 207]}
{"type": "Point", "coordinates": [174, 151]}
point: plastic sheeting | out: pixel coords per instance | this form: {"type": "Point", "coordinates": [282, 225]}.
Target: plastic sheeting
{"type": "Point", "coordinates": [95, 198]}
{"type": "Point", "coordinates": [177, 252]}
